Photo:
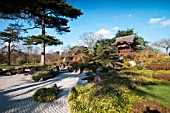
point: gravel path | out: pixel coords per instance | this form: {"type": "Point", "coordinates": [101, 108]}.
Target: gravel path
{"type": "Point", "coordinates": [16, 93]}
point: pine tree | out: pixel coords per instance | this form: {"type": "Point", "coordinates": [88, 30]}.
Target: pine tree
{"type": "Point", "coordinates": [100, 51]}
{"type": "Point", "coordinates": [42, 14]}
{"type": "Point", "coordinates": [9, 35]}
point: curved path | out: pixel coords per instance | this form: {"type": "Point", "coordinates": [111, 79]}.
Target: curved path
{"type": "Point", "coordinates": [16, 93]}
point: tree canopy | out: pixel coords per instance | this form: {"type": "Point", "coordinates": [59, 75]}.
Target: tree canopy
{"type": "Point", "coordinates": [106, 44]}
{"type": "Point", "coordinates": [41, 14]}
{"type": "Point", "coordinates": [35, 40]}
{"type": "Point", "coordinates": [89, 39]}
{"type": "Point", "coordinates": [9, 35]}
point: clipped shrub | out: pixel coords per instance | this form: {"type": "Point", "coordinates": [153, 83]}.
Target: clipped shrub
{"type": "Point", "coordinates": [75, 65]}
{"type": "Point", "coordinates": [46, 94]}
{"type": "Point", "coordinates": [104, 69]}
{"type": "Point", "coordinates": [149, 107]}
{"type": "Point", "coordinates": [139, 67]}
{"type": "Point", "coordinates": [129, 56]}
{"type": "Point", "coordinates": [21, 62]}
{"type": "Point", "coordinates": [42, 75]}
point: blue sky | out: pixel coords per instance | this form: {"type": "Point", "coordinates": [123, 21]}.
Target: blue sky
{"type": "Point", "coordinates": [149, 18]}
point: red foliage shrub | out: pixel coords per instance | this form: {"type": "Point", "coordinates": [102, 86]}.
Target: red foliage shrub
{"type": "Point", "coordinates": [149, 107]}
{"type": "Point", "coordinates": [162, 76]}
{"type": "Point", "coordinates": [159, 66]}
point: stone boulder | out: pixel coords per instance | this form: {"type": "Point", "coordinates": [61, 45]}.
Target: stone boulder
{"type": "Point", "coordinates": [109, 65]}
{"type": "Point", "coordinates": [132, 63]}
{"type": "Point", "coordinates": [97, 78]}
{"type": "Point", "coordinates": [32, 70]}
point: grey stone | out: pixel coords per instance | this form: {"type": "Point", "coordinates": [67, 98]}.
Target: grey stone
{"type": "Point", "coordinates": [8, 73]}
{"type": "Point", "coordinates": [109, 65]}
{"type": "Point", "coordinates": [32, 70]}
{"type": "Point", "coordinates": [132, 63]}
{"type": "Point", "coordinates": [51, 72]}
{"type": "Point", "coordinates": [41, 80]}
{"type": "Point", "coordinates": [97, 78]}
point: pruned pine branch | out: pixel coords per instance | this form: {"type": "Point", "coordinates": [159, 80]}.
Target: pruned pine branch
{"type": "Point", "coordinates": [49, 40]}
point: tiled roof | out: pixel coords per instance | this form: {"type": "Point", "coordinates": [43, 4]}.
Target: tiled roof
{"type": "Point", "coordinates": [128, 39]}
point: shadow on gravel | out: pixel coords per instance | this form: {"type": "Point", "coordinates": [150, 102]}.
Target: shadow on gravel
{"type": "Point", "coordinates": [15, 104]}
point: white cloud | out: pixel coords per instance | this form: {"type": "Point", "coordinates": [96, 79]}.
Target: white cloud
{"type": "Point", "coordinates": [103, 31]}
{"type": "Point", "coordinates": [165, 23]}
{"type": "Point", "coordinates": [106, 33]}
{"type": "Point", "coordinates": [115, 28]}
{"type": "Point", "coordinates": [155, 20]}
{"type": "Point", "coordinates": [129, 15]}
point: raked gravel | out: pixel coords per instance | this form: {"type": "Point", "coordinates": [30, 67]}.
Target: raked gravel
{"type": "Point", "coordinates": [16, 93]}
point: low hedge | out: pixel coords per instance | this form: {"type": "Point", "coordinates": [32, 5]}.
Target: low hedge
{"type": "Point", "coordinates": [46, 94]}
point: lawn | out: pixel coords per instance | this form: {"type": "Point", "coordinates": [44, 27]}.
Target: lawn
{"type": "Point", "coordinates": [159, 93]}
{"type": "Point", "coordinates": [17, 65]}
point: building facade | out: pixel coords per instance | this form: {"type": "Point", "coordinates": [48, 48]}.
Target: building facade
{"type": "Point", "coordinates": [124, 44]}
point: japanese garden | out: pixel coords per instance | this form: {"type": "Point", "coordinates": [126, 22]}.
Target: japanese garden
{"type": "Point", "coordinates": [121, 73]}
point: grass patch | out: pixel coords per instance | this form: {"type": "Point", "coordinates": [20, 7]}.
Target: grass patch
{"type": "Point", "coordinates": [159, 93]}
{"type": "Point", "coordinates": [5, 66]}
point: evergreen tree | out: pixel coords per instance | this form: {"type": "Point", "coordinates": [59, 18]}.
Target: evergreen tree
{"type": "Point", "coordinates": [106, 44]}
{"type": "Point", "coordinates": [100, 51]}
{"type": "Point", "coordinates": [42, 14]}
{"type": "Point", "coordinates": [9, 35]}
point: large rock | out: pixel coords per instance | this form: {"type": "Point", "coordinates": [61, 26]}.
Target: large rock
{"type": "Point", "coordinates": [41, 79]}
{"type": "Point", "coordinates": [110, 65]}
{"type": "Point", "coordinates": [8, 73]}
{"type": "Point", "coordinates": [20, 70]}
{"type": "Point", "coordinates": [99, 69]}
{"type": "Point", "coordinates": [58, 68]}
{"type": "Point", "coordinates": [32, 70]}
{"type": "Point", "coordinates": [132, 63]}
{"type": "Point", "coordinates": [97, 78]}
{"type": "Point", "coordinates": [51, 72]}
{"type": "Point", "coordinates": [89, 78]}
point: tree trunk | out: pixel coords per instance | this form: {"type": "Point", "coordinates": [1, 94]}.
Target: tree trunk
{"type": "Point", "coordinates": [43, 45]}
{"type": "Point", "coordinates": [9, 53]}
{"type": "Point", "coordinates": [43, 54]}
{"type": "Point", "coordinates": [167, 51]}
